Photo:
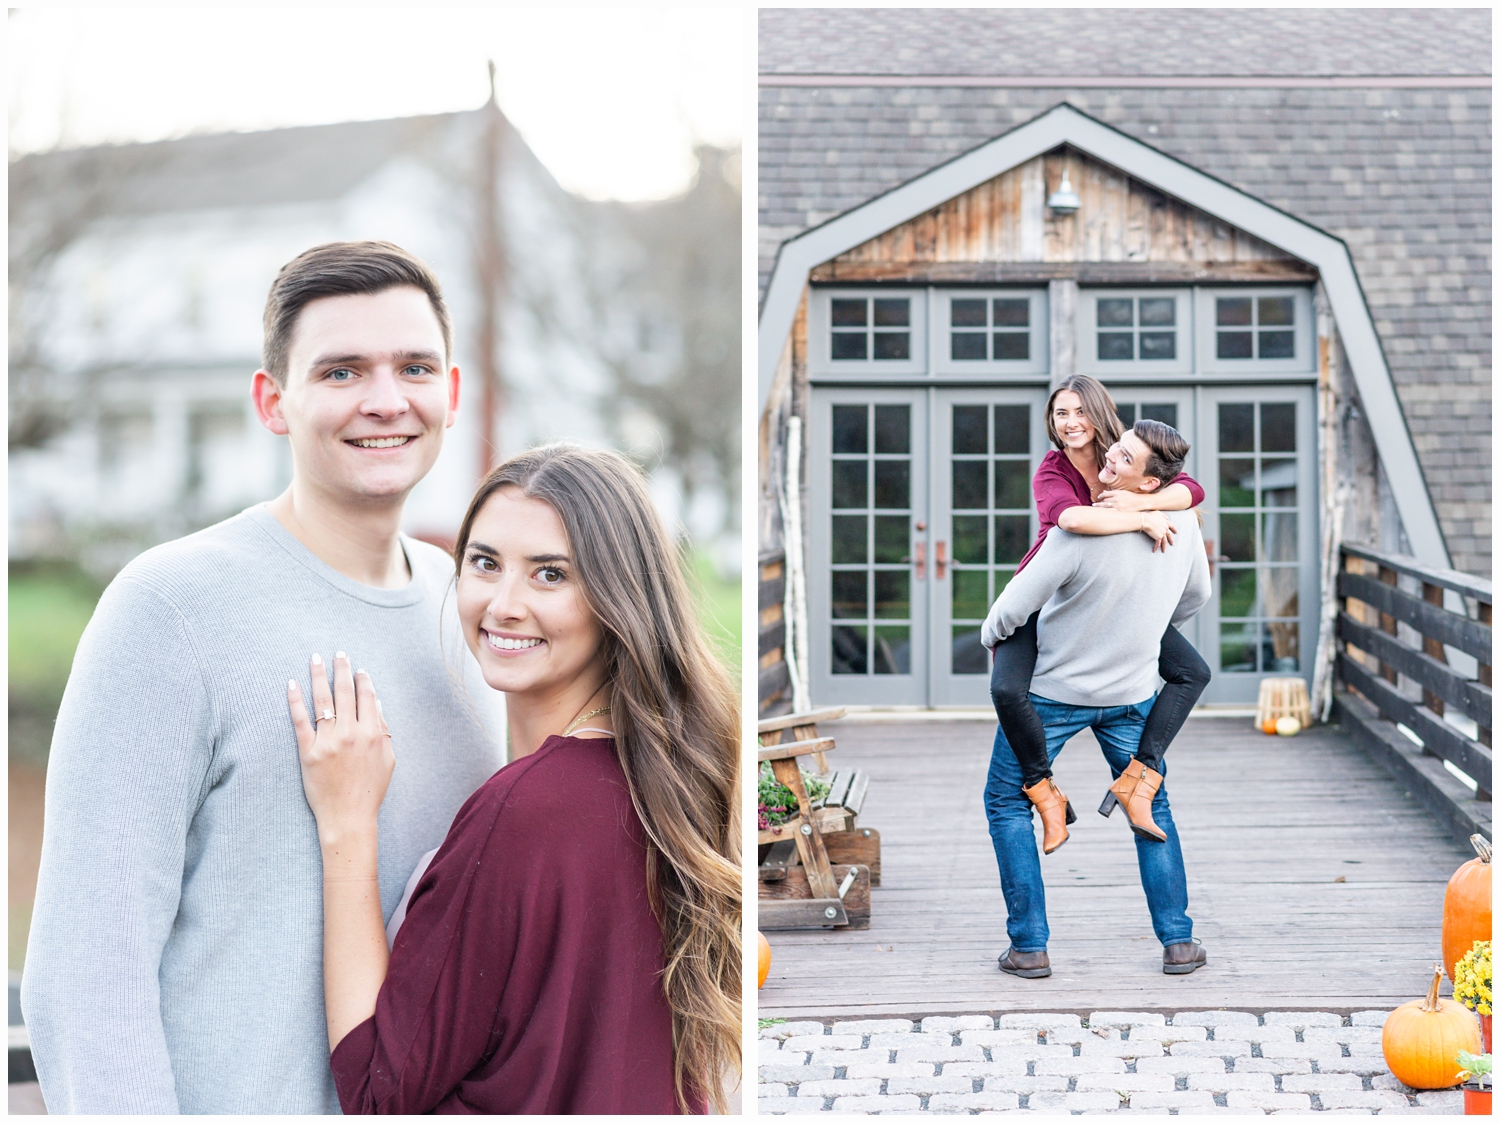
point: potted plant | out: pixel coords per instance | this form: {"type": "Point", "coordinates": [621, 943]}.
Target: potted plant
{"type": "Point", "coordinates": [1471, 986]}
{"type": "Point", "coordinates": [1475, 1069]}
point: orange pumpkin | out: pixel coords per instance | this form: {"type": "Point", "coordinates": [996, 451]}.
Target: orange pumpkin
{"type": "Point", "coordinates": [1466, 906]}
{"type": "Point", "coordinates": [1423, 1038]}
{"type": "Point", "coordinates": [765, 959]}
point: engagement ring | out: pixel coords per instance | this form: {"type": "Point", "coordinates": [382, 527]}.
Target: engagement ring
{"type": "Point", "coordinates": [327, 714]}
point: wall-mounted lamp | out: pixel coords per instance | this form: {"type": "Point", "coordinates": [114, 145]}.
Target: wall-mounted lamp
{"type": "Point", "coordinates": [1065, 201]}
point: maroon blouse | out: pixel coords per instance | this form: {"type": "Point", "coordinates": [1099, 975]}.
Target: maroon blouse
{"type": "Point", "coordinates": [1058, 485]}
{"type": "Point", "coordinates": [526, 977]}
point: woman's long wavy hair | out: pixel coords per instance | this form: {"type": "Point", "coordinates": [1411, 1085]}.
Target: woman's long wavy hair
{"type": "Point", "coordinates": [675, 714]}
{"type": "Point", "coordinates": [1098, 406]}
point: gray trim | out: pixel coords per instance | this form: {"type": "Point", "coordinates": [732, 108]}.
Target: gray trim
{"type": "Point", "coordinates": [1151, 82]}
{"type": "Point", "coordinates": [1065, 125]}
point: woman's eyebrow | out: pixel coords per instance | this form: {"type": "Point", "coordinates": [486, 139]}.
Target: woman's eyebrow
{"type": "Point", "coordinates": [479, 546]}
{"type": "Point", "coordinates": [547, 558]}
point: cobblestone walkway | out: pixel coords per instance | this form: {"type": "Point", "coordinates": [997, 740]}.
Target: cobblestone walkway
{"type": "Point", "coordinates": [1188, 1062]}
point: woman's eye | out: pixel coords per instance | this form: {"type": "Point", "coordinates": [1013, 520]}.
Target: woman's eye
{"type": "Point", "coordinates": [550, 574]}
{"type": "Point", "coordinates": [483, 563]}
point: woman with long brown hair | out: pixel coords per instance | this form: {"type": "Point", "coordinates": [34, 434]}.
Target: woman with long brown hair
{"type": "Point", "coordinates": [573, 945]}
{"type": "Point", "coordinates": [1073, 489]}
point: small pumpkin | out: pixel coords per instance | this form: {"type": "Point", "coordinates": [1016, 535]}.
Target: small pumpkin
{"type": "Point", "coordinates": [1288, 725]}
{"type": "Point", "coordinates": [1466, 906]}
{"type": "Point", "coordinates": [765, 959]}
{"type": "Point", "coordinates": [1422, 1039]}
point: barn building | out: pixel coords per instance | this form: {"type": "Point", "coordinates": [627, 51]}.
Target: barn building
{"type": "Point", "coordinates": [1274, 236]}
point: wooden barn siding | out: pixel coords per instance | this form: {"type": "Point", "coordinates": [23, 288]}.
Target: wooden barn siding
{"type": "Point", "coordinates": [1004, 220]}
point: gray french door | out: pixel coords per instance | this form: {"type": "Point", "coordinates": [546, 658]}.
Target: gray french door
{"type": "Point", "coordinates": [868, 544]}
{"type": "Point", "coordinates": [987, 444]}
{"type": "Point", "coordinates": [1257, 464]}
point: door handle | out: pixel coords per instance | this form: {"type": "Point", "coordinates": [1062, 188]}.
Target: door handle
{"type": "Point", "coordinates": [941, 561]}
{"type": "Point", "coordinates": [921, 552]}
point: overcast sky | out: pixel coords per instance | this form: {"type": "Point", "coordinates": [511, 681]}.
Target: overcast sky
{"type": "Point", "coordinates": [609, 99]}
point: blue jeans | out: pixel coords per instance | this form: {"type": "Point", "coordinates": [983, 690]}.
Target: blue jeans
{"type": "Point", "coordinates": [1163, 877]}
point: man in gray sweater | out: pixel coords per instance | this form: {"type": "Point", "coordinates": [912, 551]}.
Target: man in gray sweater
{"type": "Point", "coordinates": [175, 958]}
{"type": "Point", "coordinates": [1105, 602]}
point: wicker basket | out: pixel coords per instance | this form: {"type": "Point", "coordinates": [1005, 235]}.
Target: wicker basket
{"type": "Point", "coordinates": [1283, 695]}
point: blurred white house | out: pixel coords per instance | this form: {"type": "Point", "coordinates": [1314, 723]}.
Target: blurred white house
{"type": "Point", "coordinates": [139, 274]}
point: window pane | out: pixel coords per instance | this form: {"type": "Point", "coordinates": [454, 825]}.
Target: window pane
{"type": "Point", "coordinates": [1236, 646]}
{"type": "Point", "coordinates": [1280, 596]}
{"type": "Point", "coordinates": [893, 595]}
{"type": "Point", "coordinates": [969, 656]}
{"type": "Point", "coordinates": [1013, 428]}
{"type": "Point", "coordinates": [1012, 537]}
{"type": "Point", "coordinates": [1277, 344]}
{"type": "Point", "coordinates": [968, 312]}
{"type": "Point", "coordinates": [1002, 579]}
{"type": "Point", "coordinates": [849, 484]}
{"type": "Point", "coordinates": [849, 538]}
{"type": "Point", "coordinates": [849, 652]}
{"type": "Point", "coordinates": [1116, 347]}
{"type": "Point", "coordinates": [1126, 414]}
{"type": "Point", "coordinates": [1236, 483]}
{"type": "Point", "coordinates": [1280, 537]}
{"type": "Point", "coordinates": [892, 650]}
{"type": "Point", "coordinates": [1012, 347]}
{"type": "Point", "coordinates": [1012, 312]}
{"type": "Point", "coordinates": [1238, 533]}
{"type": "Point", "coordinates": [1013, 483]}
{"type": "Point", "coordinates": [1237, 595]}
{"type": "Point", "coordinates": [893, 428]}
{"type": "Point", "coordinates": [968, 485]}
{"type": "Point", "coordinates": [893, 484]}
{"type": "Point", "coordinates": [1158, 312]}
{"type": "Point", "coordinates": [1160, 345]}
{"type": "Point", "coordinates": [970, 600]}
{"type": "Point", "coordinates": [1236, 344]}
{"type": "Point", "coordinates": [1278, 427]}
{"type": "Point", "coordinates": [892, 312]}
{"type": "Point", "coordinates": [850, 599]}
{"type": "Point", "coordinates": [892, 542]}
{"type": "Point", "coordinates": [851, 428]}
{"type": "Point", "coordinates": [847, 312]}
{"type": "Point", "coordinates": [1232, 312]}
{"type": "Point", "coordinates": [1236, 428]}
{"type": "Point", "coordinates": [1277, 311]}
{"type": "Point", "coordinates": [1166, 413]}
{"type": "Point", "coordinates": [1278, 483]}
{"type": "Point", "coordinates": [971, 541]}
{"type": "Point", "coordinates": [849, 347]}
{"type": "Point", "coordinates": [1116, 312]}
{"type": "Point", "coordinates": [967, 347]}
{"type": "Point", "coordinates": [891, 347]}
{"type": "Point", "coordinates": [1278, 652]}
{"type": "Point", "coordinates": [971, 429]}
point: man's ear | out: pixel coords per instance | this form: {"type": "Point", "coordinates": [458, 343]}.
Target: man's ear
{"type": "Point", "coordinates": [455, 379]}
{"type": "Point", "coordinates": [267, 395]}
{"type": "Point", "coordinates": [1149, 486]}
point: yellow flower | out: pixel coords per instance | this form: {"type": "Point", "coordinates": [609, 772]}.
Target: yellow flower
{"type": "Point", "coordinates": [1472, 977]}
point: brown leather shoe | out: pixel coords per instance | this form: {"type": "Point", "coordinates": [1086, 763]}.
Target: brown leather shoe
{"type": "Point", "coordinates": [1025, 964]}
{"type": "Point", "coordinates": [1134, 789]}
{"type": "Point", "coordinates": [1183, 958]}
{"type": "Point", "coordinates": [1056, 813]}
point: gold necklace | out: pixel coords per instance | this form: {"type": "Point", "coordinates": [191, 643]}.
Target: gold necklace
{"type": "Point", "coordinates": [583, 719]}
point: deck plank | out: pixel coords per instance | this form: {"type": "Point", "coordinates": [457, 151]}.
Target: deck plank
{"type": "Point", "coordinates": [1281, 929]}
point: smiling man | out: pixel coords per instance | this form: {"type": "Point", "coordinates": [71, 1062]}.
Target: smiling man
{"type": "Point", "coordinates": [175, 956]}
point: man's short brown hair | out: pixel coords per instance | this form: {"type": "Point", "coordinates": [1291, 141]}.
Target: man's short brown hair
{"type": "Point", "coordinates": [1168, 451]}
{"type": "Point", "coordinates": [365, 267]}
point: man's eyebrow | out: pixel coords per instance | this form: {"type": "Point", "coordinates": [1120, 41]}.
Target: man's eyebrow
{"type": "Point", "coordinates": [352, 359]}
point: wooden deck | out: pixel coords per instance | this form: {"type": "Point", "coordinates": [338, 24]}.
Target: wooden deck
{"type": "Point", "coordinates": [1313, 879]}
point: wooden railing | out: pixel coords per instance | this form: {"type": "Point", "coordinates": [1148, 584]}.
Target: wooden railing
{"type": "Point", "coordinates": [1384, 717]}
{"type": "Point", "coordinates": [775, 690]}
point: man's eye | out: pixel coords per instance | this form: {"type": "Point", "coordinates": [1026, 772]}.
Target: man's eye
{"type": "Point", "coordinates": [415, 370]}
{"type": "Point", "coordinates": [340, 374]}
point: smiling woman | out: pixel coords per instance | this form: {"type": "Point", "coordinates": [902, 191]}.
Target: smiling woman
{"type": "Point", "coordinates": [583, 913]}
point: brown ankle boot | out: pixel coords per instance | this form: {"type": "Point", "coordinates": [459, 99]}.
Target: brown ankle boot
{"type": "Point", "coordinates": [1053, 805]}
{"type": "Point", "coordinates": [1135, 788]}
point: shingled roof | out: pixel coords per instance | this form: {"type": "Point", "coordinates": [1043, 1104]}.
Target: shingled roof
{"type": "Point", "coordinates": [1391, 153]}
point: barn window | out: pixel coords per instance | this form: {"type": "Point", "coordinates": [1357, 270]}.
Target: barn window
{"type": "Point", "coordinates": [1256, 329]}
{"type": "Point", "coordinates": [1137, 332]}
{"type": "Point", "coordinates": [990, 332]}
{"type": "Point", "coordinates": [868, 333]}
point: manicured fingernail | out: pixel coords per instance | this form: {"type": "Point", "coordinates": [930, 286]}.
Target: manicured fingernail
{"type": "Point", "coordinates": [360, 672]}
{"type": "Point", "coordinates": [317, 659]}
{"type": "Point", "coordinates": [340, 656]}
{"type": "Point", "coordinates": [291, 685]}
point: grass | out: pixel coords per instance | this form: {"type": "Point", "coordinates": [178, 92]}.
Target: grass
{"type": "Point", "coordinates": [49, 607]}
{"type": "Point", "coordinates": [719, 609]}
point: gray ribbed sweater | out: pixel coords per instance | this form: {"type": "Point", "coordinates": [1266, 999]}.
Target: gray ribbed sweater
{"type": "Point", "coordinates": [1105, 601]}
{"type": "Point", "coordinates": [175, 958]}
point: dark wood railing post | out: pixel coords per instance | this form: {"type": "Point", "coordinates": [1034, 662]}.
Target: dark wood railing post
{"type": "Point", "coordinates": [1433, 595]}
{"type": "Point", "coordinates": [1387, 625]}
{"type": "Point", "coordinates": [1485, 672]}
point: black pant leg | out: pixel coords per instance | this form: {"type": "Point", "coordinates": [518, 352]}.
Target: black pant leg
{"type": "Point", "coordinates": [1010, 690]}
{"type": "Point", "coordinates": [1186, 675]}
